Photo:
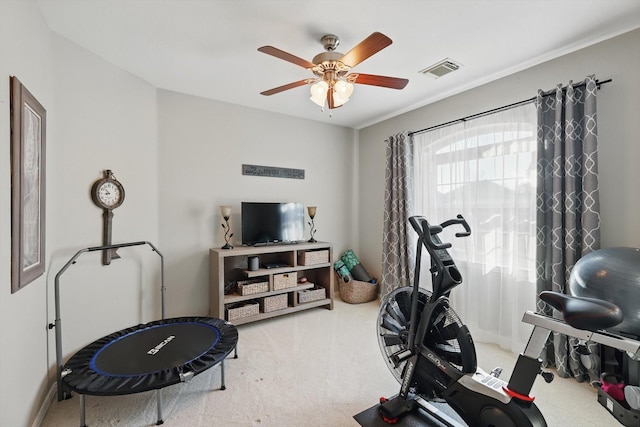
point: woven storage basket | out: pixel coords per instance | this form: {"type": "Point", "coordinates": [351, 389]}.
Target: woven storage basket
{"type": "Point", "coordinates": [250, 287]}
{"type": "Point", "coordinates": [245, 310]}
{"type": "Point", "coordinates": [285, 280]}
{"type": "Point", "coordinates": [313, 257]}
{"type": "Point", "coordinates": [276, 302]}
{"type": "Point", "coordinates": [308, 295]}
{"type": "Point", "coordinates": [356, 292]}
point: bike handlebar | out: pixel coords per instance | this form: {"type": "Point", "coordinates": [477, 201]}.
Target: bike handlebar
{"type": "Point", "coordinates": [420, 225]}
{"type": "Point", "coordinates": [459, 219]}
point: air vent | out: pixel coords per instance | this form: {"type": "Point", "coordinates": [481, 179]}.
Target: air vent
{"type": "Point", "coordinates": [443, 67]}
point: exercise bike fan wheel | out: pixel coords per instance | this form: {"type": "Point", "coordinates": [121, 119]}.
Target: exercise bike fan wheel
{"type": "Point", "coordinates": [441, 336]}
{"type": "Point", "coordinates": [393, 325]}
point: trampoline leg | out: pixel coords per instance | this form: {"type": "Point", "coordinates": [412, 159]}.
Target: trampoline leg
{"type": "Point", "coordinates": [235, 356]}
{"type": "Point", "coordinates": [222, 386]}
{"type": "Point", "coordinates": [159, 405]}
{"type": "Point", "coordinates": [82, 412]}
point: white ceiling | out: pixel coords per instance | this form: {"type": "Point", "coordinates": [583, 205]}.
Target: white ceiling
{"type": "Point", "coordinates": [208, 48]}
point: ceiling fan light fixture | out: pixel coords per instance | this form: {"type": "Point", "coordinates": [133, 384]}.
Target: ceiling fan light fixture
{"type": "Point", "coordinates": [319, 92]}
{"type": "Point", "coordinates": [342, 91]}
{"type": "Point", "coordinates": [331, 70]}
{"type": "Point", "coordinates": [339, 102]}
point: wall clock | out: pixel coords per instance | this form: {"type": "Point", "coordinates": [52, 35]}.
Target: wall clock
{"type": "Point", "coordinates": [107, 193]}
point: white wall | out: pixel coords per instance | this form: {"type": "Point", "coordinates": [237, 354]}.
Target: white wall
{"type": "Point", "coordinates": [98, 117]}
{"type": "Point", "coordinates": [23, 335]}
{"type": "Point", "coordinates": [618, 128]}
{"type": "Point", "coordinates": [203, 145]}
{"type": "Point", "coordinates": [103, 118]}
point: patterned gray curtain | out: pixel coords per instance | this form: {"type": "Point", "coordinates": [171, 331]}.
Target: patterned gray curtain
{"type": "Point", "coordinates": [397, 252]}
{"type": "Point", "coordinates": [568, 207]}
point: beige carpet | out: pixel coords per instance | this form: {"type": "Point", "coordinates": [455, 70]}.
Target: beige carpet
{"type": "Point", "coordinates": [314, 368]}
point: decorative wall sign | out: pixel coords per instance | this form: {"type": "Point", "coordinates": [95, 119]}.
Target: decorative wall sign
{"type": "Point", "coordinates": [28, 137]}
{"type": "Point", "coordinates": [255, 170]}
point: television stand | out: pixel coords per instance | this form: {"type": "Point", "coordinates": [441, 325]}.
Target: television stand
{"type": "Point", "coordinates": [282, 267]}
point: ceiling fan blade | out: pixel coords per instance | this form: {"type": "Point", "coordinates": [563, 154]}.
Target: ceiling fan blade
{"type": "Point", "coordinates": [369, 46]}
{"type": "Point", "coordinates": [284, 87]}
{"type": "Point", "coordinates": [383, 81]}
{"type": "Point", "coordinates": [273, 51]}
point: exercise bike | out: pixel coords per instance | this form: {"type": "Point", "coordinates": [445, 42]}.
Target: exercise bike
{"type": "Point", "coordinates": [432, 355]}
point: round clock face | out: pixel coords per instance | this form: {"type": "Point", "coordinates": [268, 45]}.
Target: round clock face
{"type": "Point", "coordinates": [108, 194]}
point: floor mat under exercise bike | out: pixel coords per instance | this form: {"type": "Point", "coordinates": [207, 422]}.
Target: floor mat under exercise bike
{"type": "Point", "coordinates": [418, 418]}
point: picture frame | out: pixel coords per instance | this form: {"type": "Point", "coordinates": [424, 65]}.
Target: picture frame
{"type": "Point", "coordinates": [28, 143]}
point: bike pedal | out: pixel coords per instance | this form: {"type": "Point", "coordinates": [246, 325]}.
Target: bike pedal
{"type": "Point", "coordinates": [391, 410]}
{"type": "Point", "coordinates": [400, 356]}
{"type": "Point", "coordinates": [389, 420]}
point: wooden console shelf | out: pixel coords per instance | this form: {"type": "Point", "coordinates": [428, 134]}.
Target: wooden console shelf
{"type": "Point", "coordinates": [312, 261]}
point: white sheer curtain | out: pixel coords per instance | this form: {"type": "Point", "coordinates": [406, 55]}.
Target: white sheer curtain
{"type": "Point", "coordinates": [485, 169]}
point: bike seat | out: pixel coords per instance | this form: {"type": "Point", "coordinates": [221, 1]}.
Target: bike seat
{"type": "Point", "coordinates": [589, 314]}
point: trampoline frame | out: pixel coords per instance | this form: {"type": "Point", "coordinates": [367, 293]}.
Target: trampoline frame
{"type": "Point", "coordinates": [65, 392]}
{"type": "Point", "coordinates": [62, 395]}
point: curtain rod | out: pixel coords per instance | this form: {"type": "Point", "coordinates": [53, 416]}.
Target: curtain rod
{"type": "Point", "coordinates": [495, 110]}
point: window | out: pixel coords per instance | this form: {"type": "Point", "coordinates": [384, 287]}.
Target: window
{"type": "Point", "coordinates": [485, 169]}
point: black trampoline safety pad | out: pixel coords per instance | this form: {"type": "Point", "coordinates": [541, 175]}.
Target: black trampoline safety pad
{"type": "Point", "coordinates": [149, 356]}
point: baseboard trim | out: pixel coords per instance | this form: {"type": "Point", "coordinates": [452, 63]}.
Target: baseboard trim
{"type": "Point", "coordinates": [46, 404]}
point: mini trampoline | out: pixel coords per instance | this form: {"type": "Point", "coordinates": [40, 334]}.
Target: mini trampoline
{"type": "Point", "coordinates": [145, 357]}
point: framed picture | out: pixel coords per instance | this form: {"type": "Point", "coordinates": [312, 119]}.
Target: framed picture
{"type": "Point", "coordinates": [28, 137]}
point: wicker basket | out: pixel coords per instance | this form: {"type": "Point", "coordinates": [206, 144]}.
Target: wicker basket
{"type": "Point", "coordinates": [313, 257]}
{"type": "Point", "coordinates": [276, 302]}
{"type": "Point", "coordinates": [285, 280]}
{"type": "Point", "coordinates": [308, 295]}
{"type": "Point", "coordinates": [250, 287]}
{"type": "Point", "coordinates": [242, 311]}
{"type": "Point", "coordinates": [356, 292]}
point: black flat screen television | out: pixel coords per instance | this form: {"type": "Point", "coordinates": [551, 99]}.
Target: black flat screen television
{"type": "Point", "coordinates": [268, 223]}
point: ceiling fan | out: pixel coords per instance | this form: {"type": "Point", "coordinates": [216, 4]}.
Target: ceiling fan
{"type": "Point", "coordinates": [332, 82]}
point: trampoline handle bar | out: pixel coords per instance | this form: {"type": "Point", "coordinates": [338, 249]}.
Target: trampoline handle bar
{"type": "Point", "coordinates": [120, 245]}
{"type": "Point", "coordinates": [57, 323]}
